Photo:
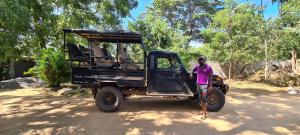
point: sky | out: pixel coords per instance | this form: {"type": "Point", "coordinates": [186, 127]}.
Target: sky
{"type": "Point", "coordinates": [271, 10]}
{"type": "Point", "coordinates": [141, 8]}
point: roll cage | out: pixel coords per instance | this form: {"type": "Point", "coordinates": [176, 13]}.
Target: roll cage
{"type": "Point", "coordinates": [110, 37]}
{"type": "Point", "coordinates": [85, 55]}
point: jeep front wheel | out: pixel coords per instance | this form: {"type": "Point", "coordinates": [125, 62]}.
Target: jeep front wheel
{"type": "Point", "coordinates": [108, 99]}
{"type": "Point", "coordinates": [215, 100]}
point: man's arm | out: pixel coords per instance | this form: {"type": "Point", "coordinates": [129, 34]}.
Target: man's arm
{"type": "Point", "coordinates": [210, 80]}
{"type": "Point", "coordinates": [194, 70]}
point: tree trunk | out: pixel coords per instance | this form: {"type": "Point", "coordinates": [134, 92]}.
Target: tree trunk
{"type": "Point", "coordinates": [243, 69]}
{"type": "Point", "coordinates": [229, 70]}
{"type": "Point", "coordinates": [234, 69]}
{"type": "Point", "coordinates": [266, 61]}
{"type": "Point", "coordinates": [294, 61]}
{"type": "Point", "coordinates": [12, 68]}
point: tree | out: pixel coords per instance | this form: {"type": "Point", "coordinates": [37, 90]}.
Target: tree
{"type": "Point", "coordinates": [279, 3]}
{"type": "Point", "coordinates": [14, 25]}
{"type": "Point", "coordinates": [233, 35]}
{"type": "Point", "coordinates": [28, 26]}
{"type": "Point", "coordinates": [269, 36]}
{"type": "Point", "coordinates": [190, 16]}
{"type": "Point", "coordinates": [290, 34]}
{"type": "Point", "coordinates": [159, 35]}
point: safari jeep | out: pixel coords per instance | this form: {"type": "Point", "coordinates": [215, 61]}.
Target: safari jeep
{"type": "Point", "coordinates": [116, 65]}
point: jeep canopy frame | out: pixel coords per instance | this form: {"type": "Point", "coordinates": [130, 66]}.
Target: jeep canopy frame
{"type": "Point", "coordinates": [112, 37]}
{"type": "Point", "coordinates": [117, 37]}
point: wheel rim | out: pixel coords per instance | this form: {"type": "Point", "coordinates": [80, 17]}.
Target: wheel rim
{"type": "Point", "coordinates": [109, 98]}
{"type": "Point", "coordinates": [213, 99]}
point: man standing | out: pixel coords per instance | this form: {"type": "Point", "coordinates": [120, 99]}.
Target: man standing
{"type": "Point", "coordinates": [204, 83]}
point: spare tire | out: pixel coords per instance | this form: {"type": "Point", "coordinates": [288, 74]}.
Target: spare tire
{"type": "Point", "coordinates": [109, 99]}
{"type": "Point", "coordinates": [215, 100]}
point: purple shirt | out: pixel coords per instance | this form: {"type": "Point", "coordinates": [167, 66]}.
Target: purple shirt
{"type": "Point", "coordinates": [203, 73]}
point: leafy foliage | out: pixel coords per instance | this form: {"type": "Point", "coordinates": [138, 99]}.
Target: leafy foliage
{"type": "Point", "coordinates": [14, 24]}
{"type": "Point", "coordinates": [239, 35]}
{"type": "Point", "coordinates": [51, 67]}
{"type": "Point", "coordinates": [234, 36]}
{"type": "Point", "coordinates": [233, 33]}
{"type": "Point", "coordinates": [159, 35]}
{"type": "Point", "coordinates": [28, 26]}
{"type": "Point", "coordinates": [189, 16]}
{"type": "Point", "coordinates": [289, 25]}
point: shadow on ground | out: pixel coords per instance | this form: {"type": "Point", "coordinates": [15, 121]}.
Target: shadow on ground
{"type": "Point", "coordinates": [244, 113]}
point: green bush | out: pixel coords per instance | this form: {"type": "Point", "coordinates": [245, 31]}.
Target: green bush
{"type": "Point", "coordinates": [51, 67]}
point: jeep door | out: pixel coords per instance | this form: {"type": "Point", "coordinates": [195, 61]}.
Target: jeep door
{"type": "Point", "coordinates": [164, 75]}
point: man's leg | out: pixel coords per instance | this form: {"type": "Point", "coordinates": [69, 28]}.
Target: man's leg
{"type": "Point", "coordinates": [204, 100]}
{"type": "Point", "coordinates": [200, 108]}
{"type": "Point", "coordinates": [203, 107]}
{"type": "Point", "coordinates": [200, 100]}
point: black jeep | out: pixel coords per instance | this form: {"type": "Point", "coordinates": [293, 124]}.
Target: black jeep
{"type": "Point", "coordinates": [121, 67]}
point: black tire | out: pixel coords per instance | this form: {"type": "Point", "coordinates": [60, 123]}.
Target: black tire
{"type": "Point", "coordinates": [219, 100]}
{"type": "Point", "coordinates": [109, 99]}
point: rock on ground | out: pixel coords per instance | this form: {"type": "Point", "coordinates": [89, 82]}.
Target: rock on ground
{"type": "Point", "coordinates": [65, 91]}
{"type": "Point", "coordinates": [21, 82]}
{"type": "Point", "coordinates": [293, 91]}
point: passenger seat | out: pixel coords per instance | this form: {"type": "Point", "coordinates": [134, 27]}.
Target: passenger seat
{"type": "Point", "coordinates": [75, 53]}
{"type": "Point", "coordinates": [85, 51]}
{"type": "Point", "coordinates": [102, 57]}
{"type": "Point", "coordinates": [125, 60]}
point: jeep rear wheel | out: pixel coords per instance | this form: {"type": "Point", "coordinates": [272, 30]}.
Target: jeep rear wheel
{"type": "Point", "coordinates": [108, 99]}
{"type": "Point", "coordinates": [215, 100]}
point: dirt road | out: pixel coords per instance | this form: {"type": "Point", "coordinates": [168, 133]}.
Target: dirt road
{"type": "Point", "coordinates": [27, 111]}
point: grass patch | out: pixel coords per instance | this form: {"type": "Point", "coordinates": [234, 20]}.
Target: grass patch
{"type": "Point", "coordinates": [249, 85]}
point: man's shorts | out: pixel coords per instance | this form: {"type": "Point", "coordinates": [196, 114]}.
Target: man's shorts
{"type": "Point", "coordinates": [202, 92]}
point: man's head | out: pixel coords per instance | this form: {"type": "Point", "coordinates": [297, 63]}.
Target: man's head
{"type": "Point", "coordinates": [201, 60]}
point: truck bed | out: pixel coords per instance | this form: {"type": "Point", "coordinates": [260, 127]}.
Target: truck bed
{"type": "Point", "coordinates": [87, 76]}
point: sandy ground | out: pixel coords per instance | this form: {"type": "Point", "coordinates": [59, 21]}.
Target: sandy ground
{"type": "Point", "coordinates": [28, 111]}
